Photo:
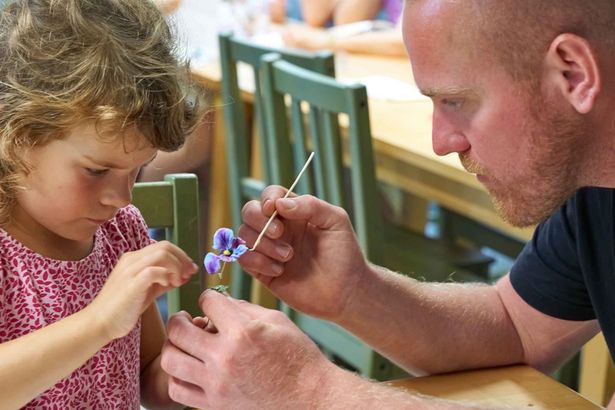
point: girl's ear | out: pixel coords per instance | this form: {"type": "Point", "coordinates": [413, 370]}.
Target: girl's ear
{"type": "Point", "coordinates": [572, 68]}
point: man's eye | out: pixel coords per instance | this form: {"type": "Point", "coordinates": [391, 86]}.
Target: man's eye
{"type": "Point", "coordinates": [452, 103]}
{"type": "Point", "coordinates": [96, 172]}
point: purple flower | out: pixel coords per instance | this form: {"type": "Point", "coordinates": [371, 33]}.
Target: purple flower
{"type": "Point", "coordinates": [229, 246]}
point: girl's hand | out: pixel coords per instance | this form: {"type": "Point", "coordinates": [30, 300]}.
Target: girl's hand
{"type": "Point", "coordinates": [309, 257]}
{"type": "Point", "coordinates": [137, 280]}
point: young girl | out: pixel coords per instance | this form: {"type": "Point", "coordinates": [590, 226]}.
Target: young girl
{"type": "Point", "coordinates": [89, 91]}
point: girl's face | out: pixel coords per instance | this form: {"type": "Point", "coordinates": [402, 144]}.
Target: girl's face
{"type": "Point", "coordinates": [76, 184]}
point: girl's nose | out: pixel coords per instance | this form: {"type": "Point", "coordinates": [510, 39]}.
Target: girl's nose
{"type": "Point", "coordinates": [118, 194]}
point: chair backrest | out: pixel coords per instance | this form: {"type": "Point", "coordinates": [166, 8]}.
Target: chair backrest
{"type": "Point", "coordinates": [303, 112]}
{"type": "Point", "coordinates": [242, 184]}
{"type": "Point", "coordinates": [173, 204]}
{"type": "Point", "coordinates": [317, 105]}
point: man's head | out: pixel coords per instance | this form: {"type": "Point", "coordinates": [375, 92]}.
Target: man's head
{"type": "Point", "coordinates": [515, 87]}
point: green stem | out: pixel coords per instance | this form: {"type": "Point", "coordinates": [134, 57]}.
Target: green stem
{"type": "Point", "coordinates": [221, 270]}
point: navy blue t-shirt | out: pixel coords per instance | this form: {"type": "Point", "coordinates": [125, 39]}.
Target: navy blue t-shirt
{"type": "Point", "coordinates": [567, 270]}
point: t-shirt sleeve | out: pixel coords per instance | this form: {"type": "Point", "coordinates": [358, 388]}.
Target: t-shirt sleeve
{"type": "Point", "coordinates": [548, 274]}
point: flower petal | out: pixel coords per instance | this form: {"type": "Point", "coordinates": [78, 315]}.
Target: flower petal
{"type": "Point", "coordinates": [237, 241]}
{"type": "Point", "coordinates": [238, 251]}
{"type": "Point", "coordinates": [212, 263]}
{"type": "Point", "coordinates": [223, 239]}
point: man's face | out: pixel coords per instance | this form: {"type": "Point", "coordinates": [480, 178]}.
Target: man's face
{"type": "Point", "coordinates": [521, 145]}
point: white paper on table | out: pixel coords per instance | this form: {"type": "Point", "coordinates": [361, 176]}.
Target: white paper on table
{"type": "Point", "coordinates": [245, 77]}
{"type": "Point", "coordinates": [387, 88]}
{"type": "Point", "coordinates": [359, 27]}
{"type": "Point", "coordinates": [269, 38]}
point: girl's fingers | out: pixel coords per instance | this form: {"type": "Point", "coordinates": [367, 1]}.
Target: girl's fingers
{"type": "Point", "coordinates": [205, 324]}
{"type": "Point", "coordinates": [159, 263]}
{"type": "Point", "coordinates": [163, 254]}
{"type": "Point", "coordinates": [222, 311]}
{"type": "Point", "coordinates": [160, 275]}
{"type": "Point", "coordinates": [200, 321]}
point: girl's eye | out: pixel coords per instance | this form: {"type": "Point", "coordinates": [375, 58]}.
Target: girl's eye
{"type": "Point", "coordinates": [96, 172]}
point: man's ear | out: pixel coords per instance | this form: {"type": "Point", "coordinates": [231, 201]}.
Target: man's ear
{"type": "Point", "coordinates": [572, 67]}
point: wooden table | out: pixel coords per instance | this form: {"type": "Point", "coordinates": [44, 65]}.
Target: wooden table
{"type": "Point", "coordinates": [519, 386]}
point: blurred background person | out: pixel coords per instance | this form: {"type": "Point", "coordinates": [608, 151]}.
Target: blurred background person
{"type": "Point", "coordinates": [357, 26]}
{"type": "Point", "coordinates": [325, 13]}
{"type": "Point", "coordinates": [167, 6]}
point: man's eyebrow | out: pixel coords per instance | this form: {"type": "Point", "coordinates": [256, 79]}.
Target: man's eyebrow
{"type": "Point", "coordinates": [448, 91]}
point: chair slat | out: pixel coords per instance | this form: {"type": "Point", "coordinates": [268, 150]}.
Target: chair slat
{"type": "Point", "coordinates": [321, 187]}
{"type": "Point", "coordinates": [155, 202]}
{"type": "Point", "coordinates": [259, 115]}
{"type": "Point", "coordinates": [299, 140]}
{"type": "Point", "coordinates": [173, 204]}
{"type": "Point", "coordinates": [241, 183]}
{"type": "Point", "coordinates": [331, 153]}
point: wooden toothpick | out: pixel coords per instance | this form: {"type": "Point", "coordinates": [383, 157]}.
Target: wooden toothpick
{"type": "Point", "coordinates": [260, 236]}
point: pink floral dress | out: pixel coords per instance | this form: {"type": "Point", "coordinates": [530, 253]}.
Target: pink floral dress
{"type": "Point", "coordinates": [36, 291]}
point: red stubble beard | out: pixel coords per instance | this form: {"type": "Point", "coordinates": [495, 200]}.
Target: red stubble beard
{"type": "Point", "coordinates": [550, 177]}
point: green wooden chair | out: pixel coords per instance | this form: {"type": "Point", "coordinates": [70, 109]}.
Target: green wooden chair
{"type": "Point", "coordinates": [173, 204]}
{"type": "Point", "coordinates": [343, 173]}
{"type": "Point", "coordinates": [241, 184]}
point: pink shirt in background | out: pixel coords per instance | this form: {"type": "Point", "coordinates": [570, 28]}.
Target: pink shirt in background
{"type": "Point", "coordinates": [393, 9]}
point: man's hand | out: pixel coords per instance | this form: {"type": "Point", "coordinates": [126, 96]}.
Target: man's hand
{"type": "Point", "coordinates": [241, 356]}
{"type": "Point", "coordinates": [309, 256]}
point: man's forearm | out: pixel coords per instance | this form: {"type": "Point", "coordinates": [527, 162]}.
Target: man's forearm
{"type": "Point", "coordinates": [432, 327]}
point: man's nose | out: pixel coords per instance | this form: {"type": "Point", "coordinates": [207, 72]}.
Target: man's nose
{"type": "Point", "coordinates": [446, 139]}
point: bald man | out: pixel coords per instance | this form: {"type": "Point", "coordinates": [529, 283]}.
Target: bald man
{"type": "Point", "coordinates": [523, 93]}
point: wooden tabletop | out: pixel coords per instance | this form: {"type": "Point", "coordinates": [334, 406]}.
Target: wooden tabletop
{"type": "Point", "coordinates": [518, 386]}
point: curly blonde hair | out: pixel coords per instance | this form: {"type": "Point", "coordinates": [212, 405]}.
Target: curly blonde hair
{"type": "Point", "coordinates": [63, 62]}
